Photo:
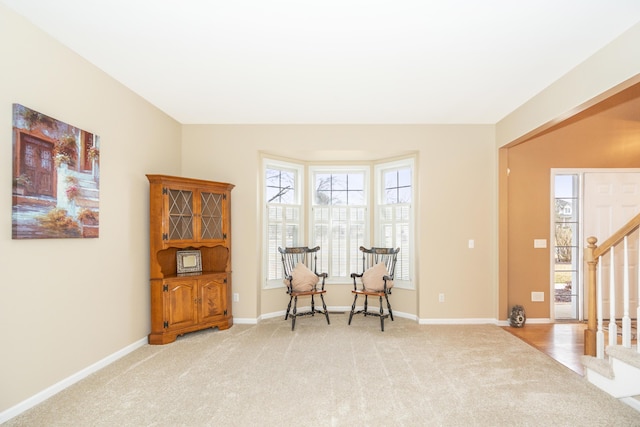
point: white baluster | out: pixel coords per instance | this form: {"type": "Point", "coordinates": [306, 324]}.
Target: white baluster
{"type": "Point", "coordinates": [600, 332]}
{"type": "Point", "coordinates": [626, 320]}
{"type": "Point", "coordinates": [638, 293]}
{"type": "Point", "coordinates": [613, 328]}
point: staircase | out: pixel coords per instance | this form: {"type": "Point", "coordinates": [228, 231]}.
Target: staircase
{"type": "Point", "coordinates": [618, 375]}
{"type": "Point", "coordinates": [615, 368]}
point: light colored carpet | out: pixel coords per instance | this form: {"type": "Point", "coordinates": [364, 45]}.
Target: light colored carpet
{"type": "Point", "coordinates": [335, 375]}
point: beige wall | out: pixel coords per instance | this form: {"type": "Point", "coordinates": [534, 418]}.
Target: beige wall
{"type": "Point", "coordinates": [456, 202]}
{"type": "Point", "coordinates": [68, 303]}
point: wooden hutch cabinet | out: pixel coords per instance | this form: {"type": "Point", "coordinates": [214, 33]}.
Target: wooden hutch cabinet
{"type": "Point", "coordinates": [189, 214]}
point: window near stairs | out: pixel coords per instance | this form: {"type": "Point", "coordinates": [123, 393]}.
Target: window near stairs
{"type": "Point", "coordinates": [566, 238]}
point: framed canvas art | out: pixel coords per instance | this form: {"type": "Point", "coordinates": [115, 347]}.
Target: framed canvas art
{"type": "Point", "coordinates": [56, 178]}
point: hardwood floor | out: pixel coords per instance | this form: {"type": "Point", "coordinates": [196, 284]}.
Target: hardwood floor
{"type": "Point", "coordinates": [563, 342]}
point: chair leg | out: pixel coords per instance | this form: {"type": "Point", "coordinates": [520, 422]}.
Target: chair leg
{"type": "Point", "coordinates": [366, 304]}
{"type": "Point", "coordinates": [313, 307]}
{"type": "Point", "coordinates": [381, 316]}
{"type": "Point", "coordinates": [293, 316]}
{"type": "Point", "coordinates": [353, 307]}
{"type": "Point", "coordinates": [286, 316]}
{"type": "Point", "coordinates": [324, 306]}
{"type": "Point", "coordinates": [389, 306]}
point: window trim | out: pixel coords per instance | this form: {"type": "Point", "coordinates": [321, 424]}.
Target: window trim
{"type": "Point", "coordinates": [368, 196]}
{"type": "Point", "coordinates": [300, 200]}
{"type": "Point", "coordinates": [373, 193]}
{"type": "Point", "coordinates": [378, 185]}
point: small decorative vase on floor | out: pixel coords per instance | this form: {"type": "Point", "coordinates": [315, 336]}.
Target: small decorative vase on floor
{"type": "Point", "coordinates": [517, 317]}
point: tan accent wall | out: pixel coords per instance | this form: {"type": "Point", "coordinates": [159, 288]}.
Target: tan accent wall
{"type": "Point", "coordinates": [606, 135]}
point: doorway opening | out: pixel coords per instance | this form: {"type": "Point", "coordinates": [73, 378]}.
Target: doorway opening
{"type": "Point", "coordinates": [585, 202]}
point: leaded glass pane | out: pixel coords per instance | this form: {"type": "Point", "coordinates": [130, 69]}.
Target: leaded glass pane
{"type": "Point", "coordinates": [180, 215]}
{"type": "Point", "coordinates": [211, 226]}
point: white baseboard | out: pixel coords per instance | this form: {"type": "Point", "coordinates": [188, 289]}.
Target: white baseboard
{"type": "Point", "coordinates": [69, 381]}
{"type": "Point", "coordinates": [245, 321]}
{"type": "Point", "coordinates": [464, 321]}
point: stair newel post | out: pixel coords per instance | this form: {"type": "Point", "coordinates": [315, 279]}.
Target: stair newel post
{"type": "Point", "coordinates": [592, 264]}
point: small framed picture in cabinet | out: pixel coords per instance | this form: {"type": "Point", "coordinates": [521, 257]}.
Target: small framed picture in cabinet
{"type": "Point", "coordinates": [189, 262]}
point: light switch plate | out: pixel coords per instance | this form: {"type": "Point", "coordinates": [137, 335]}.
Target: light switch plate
{"type": "Point", "coordinates": [539, 243]}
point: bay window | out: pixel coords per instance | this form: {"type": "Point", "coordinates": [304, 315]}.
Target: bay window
{"type": "Point", "coordinates": [346, 208]}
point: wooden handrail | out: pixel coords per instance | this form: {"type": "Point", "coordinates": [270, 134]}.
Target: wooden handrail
{"type": "Point", "coordinates": [616, 237]}
{"type": "Point", "coordinates": [591, 255]}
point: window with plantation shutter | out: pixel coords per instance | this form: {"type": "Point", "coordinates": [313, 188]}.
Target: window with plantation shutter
{"type": "Point", "coordinates": [345, 209]}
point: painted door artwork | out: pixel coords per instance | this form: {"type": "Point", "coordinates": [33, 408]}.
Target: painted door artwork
{"type": "Point", "coordinates": [36, 159]}
{"type": "Point", "coordinates": [56, 178]}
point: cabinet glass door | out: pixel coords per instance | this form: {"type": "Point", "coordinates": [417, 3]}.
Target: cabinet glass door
{"type": "Point", "coordinates": [180, 215]}
{"type": "Point", "coordinates": [211, 227]}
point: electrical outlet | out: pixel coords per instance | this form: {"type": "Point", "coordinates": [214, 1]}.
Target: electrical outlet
{"type": "Point", "coordinates": [537, 296]}
{"type": "Point", "coordinates": [236, 297]}
{"type": "Point", "coordinates": [441, 297]}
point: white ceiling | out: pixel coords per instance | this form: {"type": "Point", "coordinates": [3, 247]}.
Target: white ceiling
{"type": "Point", "coordinates": [334, 61]}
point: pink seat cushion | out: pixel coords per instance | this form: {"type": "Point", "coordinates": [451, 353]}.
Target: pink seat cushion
{"type": "Point", "coordinates": [372, 278]}
{"type": "Point", "coordinates": [303, 279]}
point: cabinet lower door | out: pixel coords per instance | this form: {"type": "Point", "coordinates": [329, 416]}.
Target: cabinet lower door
{"type": "Point", "coordinates": [213, 297]}
{"type": "Point", "coordinates": [181, 302]}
